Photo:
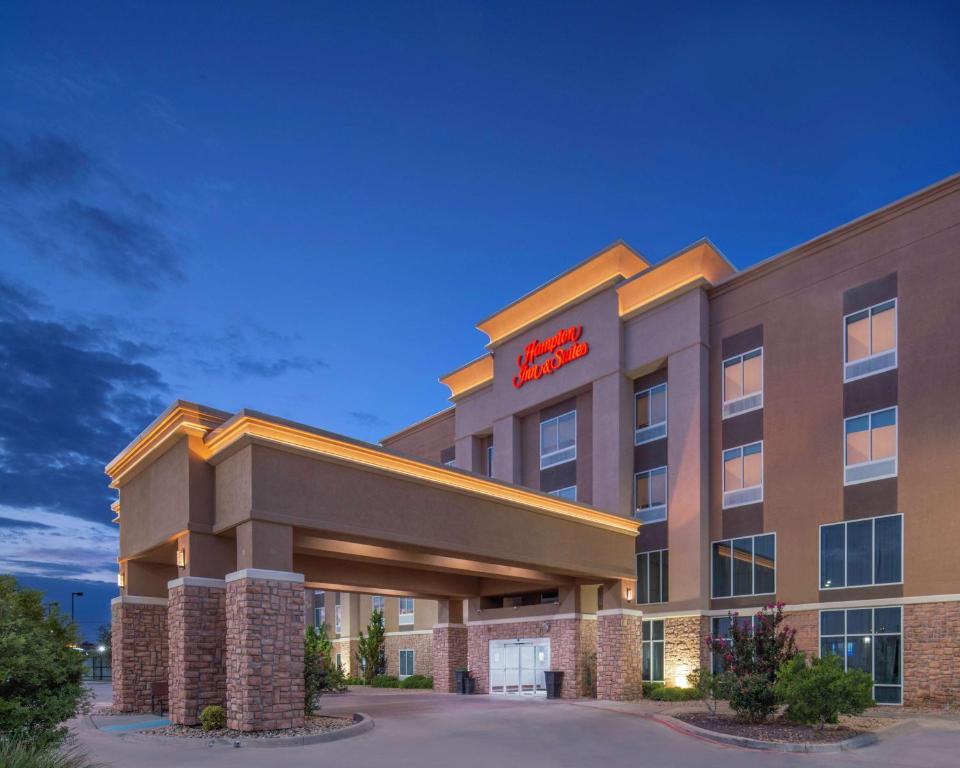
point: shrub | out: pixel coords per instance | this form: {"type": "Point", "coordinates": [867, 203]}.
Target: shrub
{"type": "Point", "coordinates": [41, 670]}
{"type": "Point", "coordinates": [710, 688]}
{"type": "Point", "coordinates": [385, 681]}
{"type": "Point", "coordinates": [417, 681]}
{"type": "Point", "coordinates": [213, 718]}
{"type": "Point", "coordinates": [370, 657]}
{"type": "Point", "coordinates": [821, 691]}
{"type": "Point", "coordinates": [26, 753]}
{"type": "Point", "coordinates": [350, 680]}
{"type": "Point", "coordinates": [669, 693]}
{"type": "Point", "coordinates": [649, 688]}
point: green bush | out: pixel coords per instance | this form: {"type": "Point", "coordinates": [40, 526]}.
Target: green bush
{"type": "Point", "coordinates": [821, 691]}
{"type": "Point", "coordinates": [417, 681]}
{"type": "Point", "coordinates": [213, 718]}
{"type": "Point", "coordinates": [354, 681]}
{"type": "Point", "coordinates": [25, 753]}
{"type": "Point", "coordinates": [710, 688]}
{"type": "Point", "coordinates": [41, 671]}
{"type": "Point", "coordinates": [649, 688]}
{"type": "Point", "coordinates": [385, 681]}
{"type": "Point", "coordinates": [370, 647]}
{"type": "Point", "coordinates": [668, 693]}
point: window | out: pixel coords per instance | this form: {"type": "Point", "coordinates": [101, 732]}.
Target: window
{"type": "Point", "coordinates": [319, 610]}
{"type": "Point", "coordinates": [406, 663]}
{"type": "Point", "coordinates": [743, 475]}
{"type": "Point", "coordinates": [870, 341]}
{"type": "Point", "coordinates": [406, 610]}
{"type": "Point", "coordinates": [869, 639]}
{"type": "Point", "coordinates": [569, 493]}
{"type": "Point", "coordinates": [339, 665]}
{"type": "Point", "coordinates": [745, 566]}
{"type": "Point", "coordinates": [860, 553]}
{"type": "Point", "coordinates": [652, 572]}
{"type": "Point", "coordinates": [489, 461]}
{"type": "Point", "coordinates": [650, 493]}
{"type": "Point", "coordinates": [720, 629]}
{"type": "Point", "coordinates": [558, 440]}
{"type": "Point", "coordinates": [651, 415]}
{"type": "Point", "coordinates": [653, 651]}
{"type": "Point", "coordinates": [338, 615]}
{"type": "Point", "coordinates": [870, 446]}
{"type": "Point", "coordinates": [377, 603]}
{"type": "Point", "coordinates": [743, 383]}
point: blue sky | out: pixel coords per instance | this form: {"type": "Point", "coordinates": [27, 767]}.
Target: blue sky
{"type": "Point", "coordinates": [304, 208]}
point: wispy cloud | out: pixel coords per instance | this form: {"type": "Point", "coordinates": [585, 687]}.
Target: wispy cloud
{"type": "Point", "coordinates": [368, 419]}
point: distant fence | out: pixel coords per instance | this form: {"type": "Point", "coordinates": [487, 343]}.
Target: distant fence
{"type": "Point", "coordinates": [96, 666]}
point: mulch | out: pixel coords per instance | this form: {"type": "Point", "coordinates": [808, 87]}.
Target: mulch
{"type": "Point", "coordinates": [777, 729]}
{"type": "Point", "coordinates": [312, 726]}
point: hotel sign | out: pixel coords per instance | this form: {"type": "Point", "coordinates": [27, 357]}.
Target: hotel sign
{"type": "Point", "coordinates": [561, 348]}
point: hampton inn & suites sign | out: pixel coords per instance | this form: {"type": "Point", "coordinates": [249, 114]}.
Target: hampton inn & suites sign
{"type": "Point", "coordinates": [541, 358]}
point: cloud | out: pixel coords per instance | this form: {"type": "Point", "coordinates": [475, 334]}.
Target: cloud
{"type": "Point", "coordinates": [248, 366]}
{"type": "Point", "coordinates": [43, 162]}
{"type": "Point", "coordinates": [368, 419]}
{"type": "Point", "coordinates": [9, 523]}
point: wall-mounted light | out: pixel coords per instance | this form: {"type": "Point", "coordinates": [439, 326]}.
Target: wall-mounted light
{"type": "Point", "coordinates": [121, 581]}
{"type": "Point", "coordinates": [181, 558]}
{"type": "Point", "coordinates": [629, 594]}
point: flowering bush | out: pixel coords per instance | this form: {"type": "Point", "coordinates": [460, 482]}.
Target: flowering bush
{"type": "Point", "coordinates": [751, 658]}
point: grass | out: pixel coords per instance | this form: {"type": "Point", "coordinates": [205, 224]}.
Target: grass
{"type": "Point", "coordinates": [21, 753]}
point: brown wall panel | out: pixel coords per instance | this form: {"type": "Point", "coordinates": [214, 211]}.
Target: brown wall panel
{"type": "Point", "coordinates": [870, 293]}
{"type": "Point", "coordinates": [650, 455]}
{"type": "Point", "coordinates": [743, 521]}
{"type": "Point", "coordinates": [870, 393]}
{"type": "Point", "coordinates": [652, 536]}
{"type": "Point", "coordinates": [743, 341]}
{"type": "Point", "coordinates": [743, 429]}
{"type": "Point", "coordinates": [872, 499]}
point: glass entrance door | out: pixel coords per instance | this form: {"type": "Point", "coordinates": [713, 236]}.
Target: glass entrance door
{"type": "Point", "coordinates": [517, 666]}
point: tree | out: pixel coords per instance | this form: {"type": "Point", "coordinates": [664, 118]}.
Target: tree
{"type": "Point", "coordinates": [320, 674]}
{"type": "Point", "coordinates": [41, 670]}
{"type": "Point", "coordinates": [370, 648]}
{"type": "Point", "coordinates": [821, 691]}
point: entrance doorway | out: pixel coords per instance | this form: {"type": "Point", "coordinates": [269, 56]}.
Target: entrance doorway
{"type": "Point", "coordinates": [517, 666]}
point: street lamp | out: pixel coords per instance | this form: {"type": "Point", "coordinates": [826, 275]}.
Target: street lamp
{"type": "Point", "coordinates": [73, 595]}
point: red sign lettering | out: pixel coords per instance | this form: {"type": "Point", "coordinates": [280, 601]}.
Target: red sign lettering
{"type": "Point", "coordinates": [562, 348]}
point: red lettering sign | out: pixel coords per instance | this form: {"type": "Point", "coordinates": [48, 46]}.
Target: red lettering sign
{"type": "Point", "coordinates": [562, 348]}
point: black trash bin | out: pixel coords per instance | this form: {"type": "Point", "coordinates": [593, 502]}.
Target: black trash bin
{"type": "Point", "coordinates": [469, 685]}
{"type": "Point", "coordinates": [554, 684]}
{"type": "Point", "coordinates": [461, 676]}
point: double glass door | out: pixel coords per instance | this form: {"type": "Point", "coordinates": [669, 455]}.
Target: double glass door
{"type": "Point", "coordinates": [517, 666]}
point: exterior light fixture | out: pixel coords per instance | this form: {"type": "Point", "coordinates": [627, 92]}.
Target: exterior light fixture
{"type": "Point", "coordinates": [101, 648]}
{"type": "Point", "coordinates": [181, 558]}
{"type": "Point", "coordinates": [121, 582]}
{"type": "Point", "coordinates": [629, 594]}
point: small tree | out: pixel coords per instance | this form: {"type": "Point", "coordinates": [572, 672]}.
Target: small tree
{"type": "Point", "coordinates": [709, 687]}
{"type": "Point", "coordinates": [320, 674]}
{"type": "Point", "coordinates": [821, 691]}
{"type": "Point", "coordinates": [370, 656]}
{"type": "Point", "coordinates": [752, 658]}
{"type": "Point", "coordinates": [41, 670]}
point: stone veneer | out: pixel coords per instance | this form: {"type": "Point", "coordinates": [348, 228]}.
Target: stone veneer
{"type": "Point", "coordinates": [807, 625]}
{"type": "Point", "coordinates": [421, 643]}
{"type": "Point", "coordinates": [264, 640]}
{"type": "Point", "coordinates": [448, 654]}
{"type": "Point", "coordinates": [931, 649]}
{"type": "Point", "coordinates": [619, 656]}
{"type": "Point", "coordinates": [569, 639]}
{"type": "Point", "coordinates": [139, 651]}
{"type": "Point", "coordinates": [196, 616]}
{"type": "Point", "coordinates": [347, 647]}
{"type": "Point", "coordinates": [684, 649]}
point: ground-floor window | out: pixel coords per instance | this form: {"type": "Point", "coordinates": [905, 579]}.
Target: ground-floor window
{"type": "Point", "coordinates": [338, 661]}
{"type": "Point", "coordinates": [720, 630]}
{"type": "Point", "coordinates": [406, 663]}
{"type": "Point", "coordinates": [653, 651]}
{"type": "Point", "coordinates": [870, 639]}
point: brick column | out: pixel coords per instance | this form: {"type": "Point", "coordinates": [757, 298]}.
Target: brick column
{"type": "Point", "coordinates": [139, 650]}
{"type": "Point", "coordinates": [196, 617]}
{"type": "Point", "coordinates": [619, 654]}
{"type": "Point", "coordinates": [264, 641]}
{"type": "Point", "coordinates": [449, 655]}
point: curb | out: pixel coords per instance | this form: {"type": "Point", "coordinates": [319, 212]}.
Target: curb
{"type": "Point", "coordinates": [857, 742]}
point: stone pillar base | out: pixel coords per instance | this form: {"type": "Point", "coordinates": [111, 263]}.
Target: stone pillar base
{"type": "Point", "coordinates": [449, 655]}
{"type": "Point", "coordinates": [619, 654]}
{"type": "Point", "coordinates": [264, 640]}
{"type": "Point", "coordinates": [196, 616]}
{"type": "Point", "coordinates": [139, 650]}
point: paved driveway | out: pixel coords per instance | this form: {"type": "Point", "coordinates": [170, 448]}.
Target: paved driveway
{"type": "Point", "coordinates": [421, 729]}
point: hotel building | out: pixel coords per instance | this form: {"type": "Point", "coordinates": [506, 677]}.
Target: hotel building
{"type": "Point", "coordinates": [641, 449]}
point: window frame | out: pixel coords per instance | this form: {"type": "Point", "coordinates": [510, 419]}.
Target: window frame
{"type": "Point", "coordinates": [724, 402]}
{"type": "Point", "coordinates": [557, 491]}
{"type": "Point", "coordinates": [413, 662]}
{"type": "Point", "coordinates": [402, 615]}
{"type": "Point", "coordinates": [873, 553]}
{"type": "Point", "coordinates": [666, 414]}
{"type": "Point", "coordinates": [872, 461]}
{"type": "Point", "coordinates": [723, 475]}
{"type": "Point", "coordinates": [753, 566]}
{"type": "Point", "coordinates": [873, 355]}
{"type": "Point", "coordinates": [649, 641]}
{"type": "Point", "coordinates": [873, 634]}
{"type": "Point", "coordinates": [666, 494]}
{"type": "Point", "coordinates": [373, 603]}
{"type": "Point", "coordinates": [559, 451]}
{"type": "Point", "coordinates": [664, 593]}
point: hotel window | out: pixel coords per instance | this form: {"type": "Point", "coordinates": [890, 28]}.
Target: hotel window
{"type": "Point", "coordinates": [337, 614]}
{"type": "Point", "coordinates": [743, 383]}
{"type": "Point", "coordinates": [870, 341]}
{"type": "Point", "coordinates": [489, 461]}
{"type": "Point", "coordinates": [569, 493]}
{"type": "Point", "coordinates": [870, 446]}
{"type": "Point", "coordinates": [319, 610]}
{"type": "Point", "coordinates": [558, 440]}
{"type": "Point", "coordinates": [377, 603]}
{"type": "Point", "coordinates": [650, 494]}
{"type": "Point", "coordinates": [651, 415]}
{"type": "Point", "coordinates": [720, 628]}
{"type": "Point", "coordinates": [869, 639]}
{"type": "Point", "coordinates": [652, 574]}
{"type": "Point", "coordinates": [653, 651]}
{"type": "Point", "coordinates": [406, 611]}
{"type": "Point", "coordinates": [406, 663]}
{"type": "Point", "coordinates": [743, 475]}
{"type": "Point", "coordinates": [745, 566]}
{"type": "Point", "coordinates": [861, 553]}
{"type": "Point", "coordinates": [339, 665]}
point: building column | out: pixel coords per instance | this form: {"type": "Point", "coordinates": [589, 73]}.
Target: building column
{"type": "Point", "coordinates": [619, 645]}
{"type": "Point", "coordinates": [139, 650]}
{"type": "Point", "coordinates": [449, 645]}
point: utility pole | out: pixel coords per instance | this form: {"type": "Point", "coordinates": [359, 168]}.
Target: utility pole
{"type": "Point", "coordinates": [73, 595]}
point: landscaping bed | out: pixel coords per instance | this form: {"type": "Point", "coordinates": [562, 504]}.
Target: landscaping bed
{"type": "Point", "coordinates": [781, 730]}
{"type": "Point", "coordinates": [313, 726]}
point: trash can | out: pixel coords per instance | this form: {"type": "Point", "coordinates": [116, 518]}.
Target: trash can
{"type": "Point", "coordinates": [461, 677]}
{"type": "Point", "coordinates": [469, 685]}
{"type": "Point", "coordinates": [554, 684]}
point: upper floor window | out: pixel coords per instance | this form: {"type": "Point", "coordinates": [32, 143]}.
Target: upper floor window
{"type": "Point", "coordinates": [652, 574]}
{"type": "Point", "coordinates": [490, 461]}
{"type": "Point", "coordinates": [569, 493]}
{"type": "Point", "coordinates": [338, 616]}
{"type": "Point", "coordinates": [651, 495]}
{"type": "Point", "coordinates": [860, 553]}
{"type": "Point", "coordinates": [319, 610]}
{"type": "Point", "coordinates": [743, 475]}
{"type": "Point", "coordinates": [378, 603]}
{"type": "Point", "coordinates": [870, 446]}
{"type": "Point", "coordinates": [743, 383]}
{"type": "Point", "coordinates": [745, 566]}
{"type": "Point", "coordinates": [652, 669]}
{"type": "Point", "coordinates": [870, 341]}
{"type": "Point", "coordinates": [651, 414]}
{"type": "Point", "coordinates": [558, 440]}
{"type": "Point", "coordinates": [406, 610]}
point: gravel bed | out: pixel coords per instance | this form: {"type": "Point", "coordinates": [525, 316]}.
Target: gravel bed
{"type": "Point", "coordinates": [778, 729]}
{"type": "Point", "coordinates": [313, 726]}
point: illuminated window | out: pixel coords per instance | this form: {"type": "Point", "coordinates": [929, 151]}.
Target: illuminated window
{"type": "Point", "coordinates": [652, 670]}
{"type": "Point", "coordinates": [319, 610]}
{"type": "Point", "coordinates": [337, 615]}
{"type": "Point", "coordinates": [870, 341]}
{"type": "Point", "coordinates": [870, 446]}
{"type": "Point", "coordinates": [743, 383]}
{"type": "Point", "coordinates": [651, 414]}
{"type": "Point", "coordinates": [652, 576]}
{"type": "Point", "coordinates": [745, 566]}
{"type": "Point", "coordinates": [650, 492]}
{"type": "Point", "coordinates": [558, 440]}
{"type": "Point", "coordinates": [860, 553]}
{"type": "Point", "coordinates": [569, 493]}
{"type": "Point", "coordinates": [743, 475]}
{"type": "Point", "coordinates": [869, 639]}
{"type": "Point", "coordinates": [406, 610]}
{"type": "Point", "coordinates": [407, 658]}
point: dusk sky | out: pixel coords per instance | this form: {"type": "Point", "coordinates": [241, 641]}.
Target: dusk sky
{"type": "Point", "coordinates": [304, 208]}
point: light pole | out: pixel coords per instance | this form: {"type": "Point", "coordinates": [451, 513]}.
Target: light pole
{"type": "Point", "coordinates": [73, 595]}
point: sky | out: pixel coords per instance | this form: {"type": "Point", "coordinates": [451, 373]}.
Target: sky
{"type": "Point", "coordinates": [304, 208]}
